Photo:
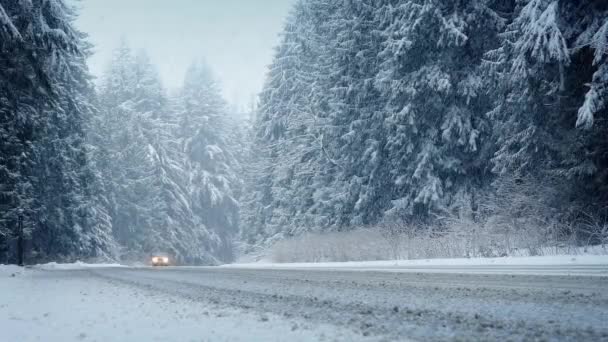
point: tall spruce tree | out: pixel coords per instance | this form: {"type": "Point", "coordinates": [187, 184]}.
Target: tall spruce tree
{"type": "Point", "coordinates": [549, 72]}
{"type": "Point", "coordinates": [46, 100]}
{"type": "Point", "coordinates": [435, 100]}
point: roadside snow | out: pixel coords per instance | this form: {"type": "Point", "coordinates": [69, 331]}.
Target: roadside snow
{"type": "Point", "coordinates": [560, 260]}
{"type": "Point", "coordinates": [10, 271]}
{"type": "Point", "coordinates": [74, 266]}
{"type": "Point", "coordinates": [60, 305]}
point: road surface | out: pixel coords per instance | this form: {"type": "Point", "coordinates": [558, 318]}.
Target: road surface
{"type": "Point", "coordinates": [460, 303]}
{"type": "Point", "coordinates": [441, 303]}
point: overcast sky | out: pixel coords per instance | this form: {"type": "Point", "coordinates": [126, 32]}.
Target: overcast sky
{"type": "Point", "coordinates": [235, 37]}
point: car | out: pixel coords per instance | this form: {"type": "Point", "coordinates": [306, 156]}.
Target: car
{"type": "Point", "coordinates": [160, 260]}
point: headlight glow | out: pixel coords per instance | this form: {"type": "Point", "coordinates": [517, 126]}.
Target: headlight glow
{"type": "Point", "coordinates": [165, 260]}
{"type": "Point", "coordinates": [155, 260]}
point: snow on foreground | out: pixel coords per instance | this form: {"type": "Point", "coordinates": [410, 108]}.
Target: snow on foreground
{"type": "Point", "coordinates": [555, 260]}
{"type": "Point", "coordinates": [70, 305]}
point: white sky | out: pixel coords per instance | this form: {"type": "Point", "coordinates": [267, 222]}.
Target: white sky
{"type": "Point", "coordinates": [235, 37]}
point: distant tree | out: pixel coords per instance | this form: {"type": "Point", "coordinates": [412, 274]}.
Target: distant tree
{"type": "Point", "coordinates": [210, 162]}
{"type": "Point", "coordinates": [148, 180]}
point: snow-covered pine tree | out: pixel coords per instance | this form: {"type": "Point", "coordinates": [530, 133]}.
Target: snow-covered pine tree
{"type": "Point", "coordinates": [549, 72]}
{"type": "Point", "coordinates": [587, 164]}
{"type": "Point", "coordinates": [21, 81]}
{"type": "Point", "coordinates": [46, 98]}
{"type": "Point", "coordinates": [532, 61]}
{"type": "Point", "coordinates": [353, 67]}
{"type": "Point", "coordinates": [435, 103]}
{"type": "Point", "coordinates": [210, 163]}
{"type": "Point", "coordinates": [355, 135]}
{"type": "Point", "coordinates": [124, 157]}
{"type": "Point", "coordinates": [288, 189]}
{"type": "Point", "coordinates": [73, 223]}
{"type": "Point", "coordinates": [148, 187]}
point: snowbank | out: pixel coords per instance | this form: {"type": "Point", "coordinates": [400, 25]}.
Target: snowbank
{"type": "Point", "coordinates": [10, 271]}
{"type": "Point", "coordinates": [510, 261]}
{"type": "Point", "coordinates": [74, 266]}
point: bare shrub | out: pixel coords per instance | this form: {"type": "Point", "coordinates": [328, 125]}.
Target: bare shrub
{"type": "Point", "coordinates": [520, 217]}
{"type": "Point", "coordinates": [594, 228]}
{"type": "Point", "coordinates": [394, 233]}
{"type": "Point", "coordinates": [355, 245]}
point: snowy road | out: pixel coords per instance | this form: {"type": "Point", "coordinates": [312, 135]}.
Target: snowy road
{"type": "Point", "coordinates": [244, 304]}
{"type": "Point", "coordinates": [238, 304]}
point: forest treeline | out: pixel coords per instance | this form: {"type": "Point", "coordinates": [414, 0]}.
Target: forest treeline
{"type": "Point", "coordinates": [422, 112]}
{"type": "Point", "coordinates": [375, 113]}
{"type": "Point", "coordinates": [118, 171]}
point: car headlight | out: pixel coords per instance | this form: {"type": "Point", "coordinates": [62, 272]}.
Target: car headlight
{"type": "Point", "coordinates": [166, 260]}
{"type": "Point", "coordinates": [155, 260]}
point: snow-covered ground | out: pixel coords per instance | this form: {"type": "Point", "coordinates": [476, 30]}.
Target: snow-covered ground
{"type": "Point", "coordinates": [514, 261]}
{"type": "Point", "coordinates": [64, 303]}
{"type": "Point", "coordinates": [74, 266]}
{"type": "Point", "coordinates": [556, 265]}
{"type": "Point", "coordinates": [80, 302]}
